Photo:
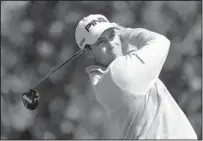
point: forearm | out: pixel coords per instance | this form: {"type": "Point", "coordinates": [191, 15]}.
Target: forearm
{"type": "Point", "coordinates": [145, 64]}
{"type": "Point", "coordinates": [134, 39]}
{"type": "Point", "coordinates": [141, 37]}
{"type": "Point", "coordinates": [151, 46]}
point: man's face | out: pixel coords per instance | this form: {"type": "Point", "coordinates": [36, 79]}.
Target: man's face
{"type": "Point", "coordinates": [107, 48]}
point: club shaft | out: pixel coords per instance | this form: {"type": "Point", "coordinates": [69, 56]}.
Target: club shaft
{"type": "Point", "coordinates": [58, 67]}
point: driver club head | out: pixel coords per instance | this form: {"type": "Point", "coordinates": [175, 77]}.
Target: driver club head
{"type": "Point", "coordinates": [30, 99]}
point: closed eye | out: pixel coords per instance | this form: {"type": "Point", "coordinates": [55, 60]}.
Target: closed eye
{"type": "Point", "coordinates": [100, 41]}
{"type": "Point", "coordinates": [112, 35]}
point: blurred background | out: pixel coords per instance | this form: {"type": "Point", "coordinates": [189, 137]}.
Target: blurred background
{"type": "Point", "coordinates": [38, 35]}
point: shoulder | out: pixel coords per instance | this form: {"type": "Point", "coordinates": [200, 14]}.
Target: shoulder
{"type": "Point", "coordinates": [132, 35]}
{"type": "Point", "coordinates": [127, 32]}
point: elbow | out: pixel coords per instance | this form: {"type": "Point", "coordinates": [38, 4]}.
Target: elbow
{"type": "Point", "coordinates": [166, 45]}
{"type": "Point", "coordinates": [164, 40]}
{"type": "Point", "coordinates": [167, 41]}
{"type": "Point", "coordinates": [160, 39]}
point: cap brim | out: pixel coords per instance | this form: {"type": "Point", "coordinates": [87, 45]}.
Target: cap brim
{"type": "Point", "coordinates": [98, 30]}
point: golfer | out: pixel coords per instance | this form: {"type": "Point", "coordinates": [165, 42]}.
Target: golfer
{"type": "Point", "coordinates": [125, 78]}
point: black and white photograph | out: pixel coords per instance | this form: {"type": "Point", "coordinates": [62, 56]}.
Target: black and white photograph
{"type": "Point", "coordinates": [101, 70]}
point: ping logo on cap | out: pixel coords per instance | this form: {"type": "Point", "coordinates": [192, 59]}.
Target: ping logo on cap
{"type": "Point", "coordinates": [94, 22]}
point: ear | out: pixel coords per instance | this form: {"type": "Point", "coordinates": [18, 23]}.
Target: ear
{"type": "Point", "coordinates": [88, 52]}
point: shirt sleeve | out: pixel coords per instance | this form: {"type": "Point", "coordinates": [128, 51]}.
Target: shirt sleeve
{"type": "Point", "coordinates": [136, 72]}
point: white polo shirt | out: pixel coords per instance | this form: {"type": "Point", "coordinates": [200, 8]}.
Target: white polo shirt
{"type": "Point", "coordinates": [133, 95]}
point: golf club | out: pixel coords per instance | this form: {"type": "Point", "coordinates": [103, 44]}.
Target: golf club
{"type": "Point", "coordinates": [31, 97]}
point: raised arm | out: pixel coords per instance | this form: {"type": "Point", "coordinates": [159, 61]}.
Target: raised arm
{"type": "Point", "coordinates": [136, 72]}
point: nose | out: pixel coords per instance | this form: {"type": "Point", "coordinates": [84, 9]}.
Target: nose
{"type": "Point", "coordinates": [111, 46]}
{"type": "Point", "coordinates": [109, 41]}
{"type": "Point", "coordinates": [112, 43]}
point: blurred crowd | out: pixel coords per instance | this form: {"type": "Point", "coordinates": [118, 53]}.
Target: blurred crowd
{"type": "Point", "coordinates": [38, 35]}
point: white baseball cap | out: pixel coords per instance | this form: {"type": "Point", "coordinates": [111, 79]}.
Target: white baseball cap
{"type": "Point", "coordinates": [90, 28]}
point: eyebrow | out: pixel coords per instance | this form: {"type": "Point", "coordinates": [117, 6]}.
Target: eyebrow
{"type": "Point", "coordinates": [100, 39]}
{"type": "Point", "coordinates": [113, 31]}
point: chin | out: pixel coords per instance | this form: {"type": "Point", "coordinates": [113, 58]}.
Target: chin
{"type": "Point", "coordinates": [107, 63]}
{"type": "Point", "coordinates": [110, 61]}
{"type": "Point", "coordinates": [101, 63]}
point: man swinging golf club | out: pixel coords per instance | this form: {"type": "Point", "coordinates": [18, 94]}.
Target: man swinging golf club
{"type": "Point", "coordinates": [125, 79]}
